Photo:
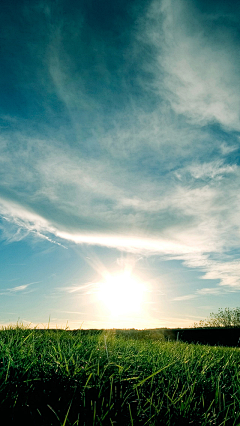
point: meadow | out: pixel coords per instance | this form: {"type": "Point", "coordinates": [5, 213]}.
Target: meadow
{"type": "Point", "coordinates": [62, 377]}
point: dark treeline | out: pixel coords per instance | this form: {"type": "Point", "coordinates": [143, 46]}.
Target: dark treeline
{"type": "Point", "coordinates": [222, 336]}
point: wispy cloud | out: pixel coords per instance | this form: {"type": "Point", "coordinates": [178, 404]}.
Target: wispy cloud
{"type": "Point", "coordinates": [215, 291]}
{"type": "Point", "coordinates": [17, 289]}
{"type": "Point", "coordinates": [206, 291]}
{"type": "Point", "coordinates": [198, 65]}
{"type": "Point", "coordinates": [186, 297]}
{"type": "Point", "coordinates": [83, 288]}
{"type": "Point", "coordinates": [170, 219]}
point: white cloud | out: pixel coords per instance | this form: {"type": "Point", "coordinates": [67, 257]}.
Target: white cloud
{"type": "Point", "coordinates": [212, 170]}
{"type": "Point", "coordinates": [77, 288]}
{"type": "Point", "coordinates": [198, 68]}
{"type": "Point", "coordinates": [23, 222]}
{"type": "Point", "coordinates": [207, 291]}
{"type": "Point", "coordinates": [213, 291]}
{"type": "Point", "coordinates": [169, 218]}
{"type": "Point", "coordinates": [17, 289]}
{"type": "Point", "coordinates": [186, 297]}
{"type": "Point", "coordinates": [227, 149]}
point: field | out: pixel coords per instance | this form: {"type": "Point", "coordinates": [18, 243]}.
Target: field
{"type": "Point", "coordinates": [60, 377]}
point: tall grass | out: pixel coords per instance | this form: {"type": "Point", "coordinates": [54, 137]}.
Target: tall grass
{"type": "Point", "coordinates": [59, 377]}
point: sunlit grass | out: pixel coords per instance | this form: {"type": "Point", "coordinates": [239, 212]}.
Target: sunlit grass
{"type": "Point", "coordinates": [59, 377]}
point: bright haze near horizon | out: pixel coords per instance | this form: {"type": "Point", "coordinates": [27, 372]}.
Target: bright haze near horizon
{"type": "Point", "coordinates": [119, 162]}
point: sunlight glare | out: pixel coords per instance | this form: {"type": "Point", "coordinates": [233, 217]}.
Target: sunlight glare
{"type": "Point", "coordinates": [122, 294]}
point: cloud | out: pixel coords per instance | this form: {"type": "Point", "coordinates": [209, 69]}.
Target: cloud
{"type": "Point", "coordinates": [212, 170]}
{"type": "Point", "coordinates": [17, 289]}
{"type": "Point", "coordinates": [214, 291]}
{"type": "Point", "coordinates": [198, 63]}
{"type": "Point", "coordinates": [23, 222]}
{"type": "Point", "coordinates": [78, 288]}
{"type": "Point", "coordinates": [216, 266]}
{"type": "Point", "coordinates": [184, 214]}
{"type": "Point", "coordinates": [186, 297]}
{"type": "Point", "coordinates": [144, 215]}
{"type": "Point", "coordinates": [207, 291]}
{"type": "Point", "coordinates": [227, 149]}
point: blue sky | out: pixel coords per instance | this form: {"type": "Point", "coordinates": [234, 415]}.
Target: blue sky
{"type": "Point", "coordinates": [119, 154]}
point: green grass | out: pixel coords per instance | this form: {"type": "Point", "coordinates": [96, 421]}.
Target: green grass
{"type": "Point", "coordinates": [59, 377]}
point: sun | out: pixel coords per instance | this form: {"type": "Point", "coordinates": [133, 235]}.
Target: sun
{"type": "Point", "coordinates": [122, 294]}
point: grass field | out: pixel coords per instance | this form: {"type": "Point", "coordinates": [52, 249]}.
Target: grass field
{"type": "Point", "coordinates": [60, 377]}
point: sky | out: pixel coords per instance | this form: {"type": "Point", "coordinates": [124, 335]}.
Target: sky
{"type": "Point", "coordinates": [119, 162]}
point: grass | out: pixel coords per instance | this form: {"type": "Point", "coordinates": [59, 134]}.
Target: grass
{"type": "Point", "coordinates": [60, 377]}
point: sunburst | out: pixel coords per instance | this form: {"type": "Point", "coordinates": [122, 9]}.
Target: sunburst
{"type": "Point", "coordinates": [122, 294]}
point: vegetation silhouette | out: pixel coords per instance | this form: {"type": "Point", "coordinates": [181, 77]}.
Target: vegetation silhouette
{"type": "Point", "coordinates": [223, 318]}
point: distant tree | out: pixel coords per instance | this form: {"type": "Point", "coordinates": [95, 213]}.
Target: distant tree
{"type": "Point", "coordinates": [223, 318]}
